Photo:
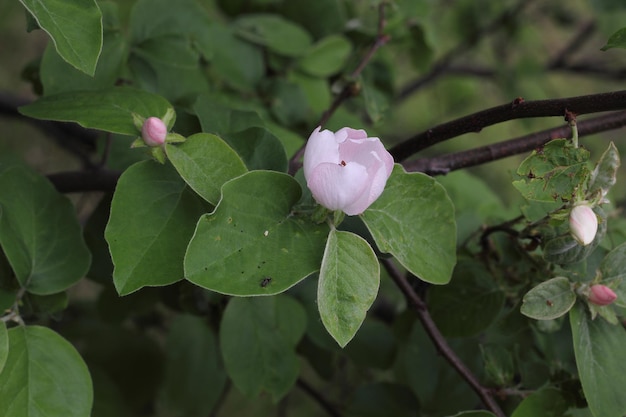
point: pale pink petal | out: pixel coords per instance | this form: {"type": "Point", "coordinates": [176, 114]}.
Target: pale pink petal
{"type": "Point", "coordinates": [321, 147]}
{"type": "Point", "coordinates": [377, 180]}
{"type": "Point", "coordinates": [335, 186]}
{"type": "Point", "coordinates": [349, 133]}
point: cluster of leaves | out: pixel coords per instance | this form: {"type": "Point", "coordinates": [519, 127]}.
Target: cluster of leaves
{"type": "Point", "coordinates": [224, 276]}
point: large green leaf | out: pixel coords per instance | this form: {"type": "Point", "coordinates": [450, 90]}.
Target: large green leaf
{"type": "Point", "coordinates": [549, 300]}
{"type": "Point", "coordinates": [258, 338]}
{"type": "Point", "coordinates": [110, 110]}
{"type": "Point", "coordinates": [194, 376]}
{"type": "Point", "coordinates": [153, 215]}
{"type": "Point", "coordinates": [469, 304]}
{"type": "Point", "coordinates": [414, 221]}
{"type": "Point", "coordinates": [75, 28]}
{"type": "Point", "coordinates": [252, 244]}
{"type": "Point", "coordinates": [205, 162]}
{"type": "Point", "coordinates": [39, 232]}
{"type": "Point", "coordinates": [326, 57]}
{"type": "Point", "coordinates": [43, 376]}
{"type": "Point", "coordinates": [601, 362]}
{"type": "Point", "coordinates": [348, 284]}
{"type": "Point", "coordinates": [276, 33]}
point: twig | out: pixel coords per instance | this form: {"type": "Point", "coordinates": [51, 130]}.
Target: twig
{"type": "Point", "coordinates": [440, 67]}
{"type": "Point", "coordinates": [517, 109]}
{"type": "Point", "coordinates": [446, 163]}
{"type": "Point", "coordinates": [439, 341]}
{"type": "Point", "coordinates": [327, 406]}
{"type": "Point", "coordinates": [350, 89]}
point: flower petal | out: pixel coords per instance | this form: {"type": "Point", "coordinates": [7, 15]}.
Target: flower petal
{"type": "Point", "coordinates": [336, 186]}
{"type": "Point", "coordinates": [321, 147]}
{"type": "Point", "coordinates": [349, 133]}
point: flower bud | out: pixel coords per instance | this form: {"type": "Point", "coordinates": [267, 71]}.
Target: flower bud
{"type": "Point", "coordinates": [153, 131]}
{"type": "Point", "coordinates": [583, 224]}
{"type": "Point", "coordinates": [601, 295]}
{"type": "Point", "coordinates": [346, 170]}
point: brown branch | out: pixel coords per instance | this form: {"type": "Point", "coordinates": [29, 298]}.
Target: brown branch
{"type": "Point", "coordinates": [439, 341]}
{"type": "Point", "coordinates": [517, 109]}
{"type": "Point", "coordinates": [351, 88]}
{"type": "Point", "coordinates": [446, 163]}
{"type": "Point", "coordinates": [319, 398]}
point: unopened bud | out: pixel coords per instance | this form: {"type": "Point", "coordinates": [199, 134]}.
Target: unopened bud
{"type": "Point", "coordinates": [153, 131]}
{"type": "Point", "coordinates": [583, 224]}
{"type": "Point", "coordinates": [601, 295]}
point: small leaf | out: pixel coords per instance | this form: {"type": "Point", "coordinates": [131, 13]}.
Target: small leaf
{"type": "Point", "coordinates": [39, 232]}
{"type": "Point", "coordinates": [617, 40]}
{"type": "Point", "coordinates": [153, 215]}
{"type": "Point", "coordinates": [110, 110]}
{"type": "Point", "coordinates": [414, 221]}
{"type": "Point", "coordinates": [273, 31]}
{"type": "Point", "coordinates": [44, 373]}
{"type": "Point", "coordinates": [194, 376]}
{"type": "Point", "coordinates": [549, 300]}
{"type": "Point", "coordinates": [326, 57]}
{"type": "Point", "coordinates": [601, 362]}
{"type": "Point", "coordinates": [547, 402]}
{"type": "Point", "coordinates": [258, 338]}
{"type": "Point", "coordinates": [604, 175]}
{"type": "Point", "coordinates": [553, 173]}
{"type": "Point", "coordinates": [205, 162]}
{"type": "Point", "coordinates": [348, 284]}
{"type": "Point", "coordinates": [252, 244]}
{"type": "Point", "coordinates": [75, 29]}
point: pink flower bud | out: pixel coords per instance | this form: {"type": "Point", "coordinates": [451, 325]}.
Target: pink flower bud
{"type": "Point", "coordinates": [583, 224]}
{"type": "Point", "coordinates": [153, 131]}
{"type": "Point", "coordinates": [601, 295]}
{"type": "Point", "coordinates": [346, 170]}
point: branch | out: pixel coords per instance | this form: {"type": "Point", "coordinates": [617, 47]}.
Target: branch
{"type": "Point", "coordinates": [518, 109]}
{"type": "Point", "coordinates": [443, 164]}
{"type": "Point", "coordinates": [327, 406]}
{"type": "Point", "coordinates": [350, 89]}
{"type": "Point", "coordinates": [439, 341]}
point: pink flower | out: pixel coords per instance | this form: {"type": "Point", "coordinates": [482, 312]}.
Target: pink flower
{"type": "Point", "coordinates": [346, 170]}
{"type": "Point", "coordinates": [583, 224]}
{"type": "Point", "coordinates": [153, 131]}
{"type": "Point", "coordinates": [601, 295]}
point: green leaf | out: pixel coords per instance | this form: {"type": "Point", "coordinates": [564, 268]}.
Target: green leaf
{"type": "Point", "coordinates": [427, 247]}
{"type": "Point", "coordinates": [617, 40]}
{"type": "Point", "coordinates": [601, 362]}
{"type": "Point", "coordinates": [613, 269]}
{"type": "Point", "coordinates": [194, 377]}
{"type": "Point", "coordinates": [474, 414]}
{"type": "Point", "coordinates": [39, 232]}
{"type": "Point", "coordinates": [348, 284]}
{"type": "Point", "coordinates": [469, 304]}
{"type": "Point", "coordinates": [44, 375]}
{"type": "Point", "coordinates": [548, 402]}
{"type": "Point", "coordinates": [221, 120]}
{"type": "Point", "coordinates": [252, 244]}
{"type": "Point", "coordinates": [259, 149]}
{"type": "Point", "coordinates": [554, 172]}
{"type": "Point", "coordinates": [373, 346]}
{"type": "Point", "coordinates": [549, 300]}
{"type": "Point", "coordinates": [4, 345]}
{"type": "Point", "coordinates": [205, 162]}
{"type": "Point", "coordinates": [375, 101]}
{"type": "Point", "coordinates": [153, 215]}
{"type": "Point", "coordinates": [604, 175]}
{"type": "Point", "coordinates": [110, 110]}
{"type": "Point", "coordinates": [273, 31]}
{"type": "Point", "coordinates": [258, 338]}
{"type": "Point", "coordinates": [326, 57]}
{"type": "Point", "coordinates": [75, 29]}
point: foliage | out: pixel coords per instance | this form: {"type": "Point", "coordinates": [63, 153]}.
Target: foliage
{"type": "Point", "coordinates": [206, 280]}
